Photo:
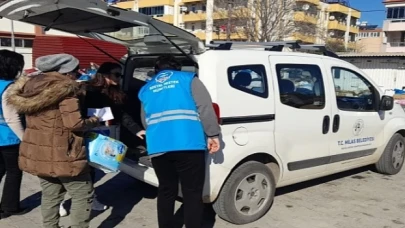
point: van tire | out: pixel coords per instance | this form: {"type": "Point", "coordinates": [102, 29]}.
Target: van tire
{"type": "Point", "coordinates": [392, 159]}
{"type": "Point", "coordinates": [225, 205]}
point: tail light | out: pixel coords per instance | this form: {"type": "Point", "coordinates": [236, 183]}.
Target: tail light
{"type": "Point", "coordinates": [217, 111]}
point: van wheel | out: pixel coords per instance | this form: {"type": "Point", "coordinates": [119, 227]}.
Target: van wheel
{"type": "Point", "coordinates": [247, 195]}
{"type": "Point", "coordinates": [392, 159]}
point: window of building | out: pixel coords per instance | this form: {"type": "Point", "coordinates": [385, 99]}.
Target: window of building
{"type": "Point", "coordinates": [192, 27]}
{"type": "Point", "coordinates": [204, 7]}
{"type": "Point", "coordinates": [353, 91]}
{"type": "Point", "coordinates": [194, 8]}
{"type": "Point", "coordinates": [250, 79]}
{"type": "Point", "coordinates": [18, 42]}
{"type": "Point", "coordinates": [28, 43]}
{"type": "Point", "coordinates": [301, 86]}
{"type": "Point", "coordinates": [152, 11]}
{"type": "Point", "coordinates": [203, 26]}
{"type": "Point", "coordinates": [396, 13]}
{"type": "Point", "coordinates": [5, 42]}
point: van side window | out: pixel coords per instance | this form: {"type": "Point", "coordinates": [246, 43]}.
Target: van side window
{"type": "Point", "coordinates": [250, 79]}
{"type": "Point", "coordinates": [353, 91]}
{"type": "Point", "coordinates": [301, 86]}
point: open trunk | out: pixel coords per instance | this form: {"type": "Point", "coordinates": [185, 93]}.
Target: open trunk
{"type": "Point", "coordinates": [144, 37]}
{"type": "Point", "coordinates": [95, 19]}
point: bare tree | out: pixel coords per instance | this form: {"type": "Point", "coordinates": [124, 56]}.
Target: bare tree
{"type": "Point", "coordinates": [256, 20]}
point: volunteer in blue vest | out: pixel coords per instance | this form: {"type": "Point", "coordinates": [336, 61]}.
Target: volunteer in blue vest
{"type": "Point", "coordinates": [11, 132]}
{"type": "Point", "coordinates": [181, 127]}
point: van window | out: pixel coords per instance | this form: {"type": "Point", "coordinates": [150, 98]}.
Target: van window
{"type": "Point", "coordinates": [250, 79]}
{"type": "Point", "coordinates": [353, 91]}
{"type": "Point", "coordinates": [301, 86]}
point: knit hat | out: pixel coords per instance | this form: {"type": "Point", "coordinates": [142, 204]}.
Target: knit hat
{"type": "Point", "coordinates": [62, 63]}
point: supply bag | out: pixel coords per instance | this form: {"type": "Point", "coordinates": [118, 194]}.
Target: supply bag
{"type": "Point", "coordinates": [104, 152]}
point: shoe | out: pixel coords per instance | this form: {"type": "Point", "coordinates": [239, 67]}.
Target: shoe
{"type": "Point", "coordinates": [97, 206]}
{"type": "Point", "coordinates": [6, 214]}
{"type": "Point", "coordinates": [62, 211]}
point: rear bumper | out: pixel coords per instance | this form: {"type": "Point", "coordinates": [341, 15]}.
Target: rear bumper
{"type": "Point", "coordinates": [140, 172]}
{"type": "Point", "coordinates": [212, 186]}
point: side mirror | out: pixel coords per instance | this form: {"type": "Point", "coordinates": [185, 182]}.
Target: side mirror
{"type": "Point", "coordinates": [386, 103]}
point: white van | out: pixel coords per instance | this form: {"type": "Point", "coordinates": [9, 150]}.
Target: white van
{"type": "Point", "coordinates": [286, 117]}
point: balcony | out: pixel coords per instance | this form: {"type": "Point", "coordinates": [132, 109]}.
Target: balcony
{"type": "Point", "coordinates": [394, 25]}
{"type": "Point", "coordinates": [194, 16]}
{"type": "Point", "coordinates": [200, 15]}
{"type": "Point", "coordinates": [354, 29]}
{"type": "Point", "coordinates": [125, 5]}
{"type": "Point", "coordinates": [304, 38]}
{"type": "Point", "coordinates": [191, 1]}
{"type": "Point", "coordinates": [165, 18]}
{"type": "Point", "coordinates": [315, 2]}
{"type": "Point", "coordinates": [305, 17]}
{"type": "Point", "coordinates": [344, 9]}
{"type": "Point", "coordinates": [395, 47]}
{"type": "Point", "coordinates": [336, 25]}
{"type": "Point", "coordinates": [149, 3]}
{"type": "Point", "coordinates": [218, 36]}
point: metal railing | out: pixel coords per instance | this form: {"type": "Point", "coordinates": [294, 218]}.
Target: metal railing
{"type": "Point", "coordinates": [397, 44]}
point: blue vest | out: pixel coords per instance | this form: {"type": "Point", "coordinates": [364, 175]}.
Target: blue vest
{"type": "Point", "coordinates": [172, 119]}
{"type": "Point", "coordinates": [7, 136]}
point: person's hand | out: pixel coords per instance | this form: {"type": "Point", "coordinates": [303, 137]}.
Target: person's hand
{"type": "Point", "coordinates": [213, 145]}
{"type": "Point", "coordinates": [140, 134]}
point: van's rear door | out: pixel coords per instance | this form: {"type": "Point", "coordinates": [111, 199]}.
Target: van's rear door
{"type": "Point", "coordinates": [95, 19]}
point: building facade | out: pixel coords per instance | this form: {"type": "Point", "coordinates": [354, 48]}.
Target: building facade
{"type": "Point", "coordinates": [370, 38]}
{"type": "Point", "coordinates": [394, 26]}
{"type": "Point", "coordinates": [320, 20]}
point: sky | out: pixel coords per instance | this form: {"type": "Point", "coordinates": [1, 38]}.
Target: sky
{"type": "Point", "coordinates": [375, 17]}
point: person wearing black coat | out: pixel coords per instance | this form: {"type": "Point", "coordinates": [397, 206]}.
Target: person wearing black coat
{"type": "Point", "coordinates": [104, 91]}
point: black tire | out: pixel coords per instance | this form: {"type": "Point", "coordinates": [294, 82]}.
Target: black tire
{"type": "Point", "coordinates": [388, 164]}
{"type": "Point", "coordinates": [225, 205]}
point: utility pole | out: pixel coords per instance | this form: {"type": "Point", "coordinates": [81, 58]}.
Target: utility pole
{"type": "Point", "coordinates": [12, 36]}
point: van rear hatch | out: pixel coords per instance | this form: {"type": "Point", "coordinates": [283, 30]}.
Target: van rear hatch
{"type": "Point", "coordinates": [95, 19]}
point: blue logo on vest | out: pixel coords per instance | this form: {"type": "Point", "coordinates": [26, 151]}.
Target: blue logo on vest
{"type": "Point", "coordinates": [164, 76]}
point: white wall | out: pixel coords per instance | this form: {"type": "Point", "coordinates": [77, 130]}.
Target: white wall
{"type": "Point", "coordinates": [5, 25]}
{"type": "Point", "coordinates": [58, 33]}
{"type": "Point", "coordinates": [388, 73]}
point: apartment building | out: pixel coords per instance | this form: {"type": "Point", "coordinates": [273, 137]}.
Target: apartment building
{"type": "Point", "coordinates": [394, 26]}
{"type": "Point", "coordinates": [370, 38]}
{"type": "Point", "coordinates": [319, 20]}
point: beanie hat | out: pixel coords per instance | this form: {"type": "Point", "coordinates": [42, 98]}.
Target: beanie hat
{"type": "Point", "coordinates": [62, 63]}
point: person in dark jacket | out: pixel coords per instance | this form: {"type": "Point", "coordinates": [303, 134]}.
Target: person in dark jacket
{"type": "Point", "coordinates": [104, 91]}
{"type": "Point", "coordinates": [11, 133]}
{"type": "Point", "coordinates": [181, 125]}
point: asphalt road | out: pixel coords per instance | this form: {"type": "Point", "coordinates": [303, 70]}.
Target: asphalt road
{"type": "Point", "coordinates": [355, 199]}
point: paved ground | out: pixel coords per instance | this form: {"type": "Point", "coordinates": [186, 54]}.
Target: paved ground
{"type": "Point", "coordinates": [357, 199]}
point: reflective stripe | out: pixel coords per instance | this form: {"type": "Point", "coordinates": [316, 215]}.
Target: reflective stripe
{"type": "Point", "coordinates": [174, 117]}
{"type": "Point", "coordinates": [172, 112]}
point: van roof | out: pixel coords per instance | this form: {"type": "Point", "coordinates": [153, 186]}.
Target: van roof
{"type": "Point", "coordinates": [264, 54]}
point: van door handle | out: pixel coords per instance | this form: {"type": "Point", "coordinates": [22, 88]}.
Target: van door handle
{"type": "Point", "coordinates": [336, 123]}
{"type": "Point", "coordinates": [325, 125]}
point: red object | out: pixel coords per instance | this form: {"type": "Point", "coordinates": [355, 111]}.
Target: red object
{"type": "Point", "coordinates": [217, 111]}
{"type": "Point", "coordinates": [29, 71]}
{"type": "Point", "coordinates": [48, 45]}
